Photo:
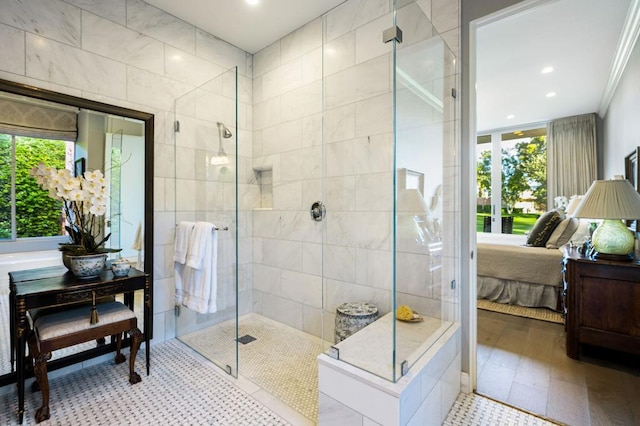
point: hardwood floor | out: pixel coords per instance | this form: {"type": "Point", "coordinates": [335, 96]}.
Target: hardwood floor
{"type": "Point", "coordinates": [523, 362]}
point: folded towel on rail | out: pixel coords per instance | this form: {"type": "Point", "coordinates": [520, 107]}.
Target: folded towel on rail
{"type": "Point", "coordinates": [198, 244]}
{"type": "Point", "coordinates": [181, 243]}
{"type": "Point", "coordinates": [200, 283]}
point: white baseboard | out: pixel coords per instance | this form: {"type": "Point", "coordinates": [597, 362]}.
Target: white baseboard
{"type": "Point", "coordinates": [465, 383]}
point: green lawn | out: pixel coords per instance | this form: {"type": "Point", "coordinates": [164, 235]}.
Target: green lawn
{"type": "Point", "coordinates": [522, 222]}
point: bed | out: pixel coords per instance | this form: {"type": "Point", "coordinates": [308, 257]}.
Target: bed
{"type": "Point", "coordinates": [510, 272]}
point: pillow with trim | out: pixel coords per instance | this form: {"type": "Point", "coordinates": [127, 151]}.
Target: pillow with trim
{"type": "Point", "coordinates": [563, 232]}
{"type": "Point", "coordinates": [543, 228]}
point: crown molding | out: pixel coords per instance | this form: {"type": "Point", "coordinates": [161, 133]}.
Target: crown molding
{"type": "Point", "coordinates": [626, 43]}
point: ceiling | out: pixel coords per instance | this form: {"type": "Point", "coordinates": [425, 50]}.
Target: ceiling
{"type": "Point", "coordinates": [578, 38]}
{"type": "Point", "coordinates": [249, 27]}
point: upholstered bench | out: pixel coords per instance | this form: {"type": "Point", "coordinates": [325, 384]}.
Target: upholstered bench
{"type": "Point", "coordinates": [71, 327]}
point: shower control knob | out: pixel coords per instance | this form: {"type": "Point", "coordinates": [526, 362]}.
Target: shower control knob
{"type": "Point", "coordinates": [318, 211]}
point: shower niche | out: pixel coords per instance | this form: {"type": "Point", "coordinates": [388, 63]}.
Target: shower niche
{"type": "Point", "coordinates": [264, 179]}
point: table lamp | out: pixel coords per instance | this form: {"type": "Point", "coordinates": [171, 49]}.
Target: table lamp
{"type": "Point", "coordinates": [611, 200]}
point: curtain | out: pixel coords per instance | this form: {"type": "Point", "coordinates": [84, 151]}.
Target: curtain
{"type": "Point", "coordinates": [572, 163]}
{"type": "Point", "coordinates": [38, 121]}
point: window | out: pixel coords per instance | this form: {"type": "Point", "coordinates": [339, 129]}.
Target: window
{"type": "Point", "coordinates": [32, 130]}
{"type": "Point", "coordinates": [513, 165]}
{"type": "Point", "coordinates": [26, 211]}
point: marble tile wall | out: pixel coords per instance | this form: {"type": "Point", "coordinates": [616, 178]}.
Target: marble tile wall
{"type": "Point", "coordinates": [131, 54]}
{"type": "Point", "coordinates": [338, 124]}
{"type": "Point", "coordinates": [287, 117]}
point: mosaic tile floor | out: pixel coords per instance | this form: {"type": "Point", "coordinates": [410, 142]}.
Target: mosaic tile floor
{"type": "Point", "coordinates": [282, 360]}
{"type": "Point", "coordinates": [476, 410]}
{"type": "Point", "coordinates": [183, 389]}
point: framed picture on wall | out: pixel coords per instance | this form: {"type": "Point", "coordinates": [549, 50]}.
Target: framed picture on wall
{"type": "Point", "coordinates": [631, 168]}
{"type": "Point", "coordinates": [79, 167]}
{"type": "Point", "coordinates": [631, 174]}
{"type": "Point", "coordinates": [409, 179]}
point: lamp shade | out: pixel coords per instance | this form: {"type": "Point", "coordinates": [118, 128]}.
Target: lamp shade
{"type": "Point", "coordinates": [610, 199]}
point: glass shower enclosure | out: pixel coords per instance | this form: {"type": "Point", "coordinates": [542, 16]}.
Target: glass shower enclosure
{"type": "Point", "coordinates": [343, 192]}
{"type": "Point", "coordinates": [388, 143]}
{"type": "Point", "coordinates": [207, 166]}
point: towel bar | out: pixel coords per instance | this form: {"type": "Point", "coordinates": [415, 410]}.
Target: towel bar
{"type": "Point", "coordinates": [226, 228]}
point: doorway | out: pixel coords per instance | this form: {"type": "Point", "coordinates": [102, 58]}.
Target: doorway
{"type": "Point", "coordinates": [510, 337]}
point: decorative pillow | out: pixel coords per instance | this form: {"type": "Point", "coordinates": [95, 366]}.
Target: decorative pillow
{"type": "Point", "coordinates": [563, 232]}
{"type": "Point", "coordinates": [543, 228]}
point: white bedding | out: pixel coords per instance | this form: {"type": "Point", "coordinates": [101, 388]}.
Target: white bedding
{"type": "Point", "coordinates": [510, 272]}
{"type": "Point", "coordinates": [502, 239]}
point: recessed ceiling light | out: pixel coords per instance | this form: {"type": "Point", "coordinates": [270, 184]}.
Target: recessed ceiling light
{"type": "Point", "coordinates": [547, 70]}
{"type": "Point", "coordinates": [510, 116]}
{"type": "Point", "coordinates": [550, 94]}
{"type": "Point", "coordinates": [252, 2]}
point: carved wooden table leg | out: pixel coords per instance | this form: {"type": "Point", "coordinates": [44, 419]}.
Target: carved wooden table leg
{"type": "Point", "coordinates": [119, 357]}
{"type": "Point", "coordinates": [40, 373]}
{"type": "Point", "coordinates": [136, 339]}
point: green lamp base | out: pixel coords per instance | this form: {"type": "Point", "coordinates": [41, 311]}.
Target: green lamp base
{"type": "Point", "coordinates": [613, 238]}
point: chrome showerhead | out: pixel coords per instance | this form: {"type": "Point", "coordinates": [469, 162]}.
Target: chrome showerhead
{"type": "Point", "coordinates": [221, 158]}
{"type": "Point", "coordinates": [224, 130]}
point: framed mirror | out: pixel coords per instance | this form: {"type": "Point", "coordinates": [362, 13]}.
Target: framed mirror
{"type": "Point", "coordinates": [118, 141]}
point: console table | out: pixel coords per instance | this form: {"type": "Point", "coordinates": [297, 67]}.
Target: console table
{"type": "Point", "coordinates": [602, 304]}
{"type": "Point", "coordinates": [56, 286]}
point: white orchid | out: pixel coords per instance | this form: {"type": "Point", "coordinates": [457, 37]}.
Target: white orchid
{"type": "Point", "coordinates": [84, 200]}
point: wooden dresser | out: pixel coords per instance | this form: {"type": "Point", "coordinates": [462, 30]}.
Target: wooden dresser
{"type": "Point", "coordinates": [602, 302]}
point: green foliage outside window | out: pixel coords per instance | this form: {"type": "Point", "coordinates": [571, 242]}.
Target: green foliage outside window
{"type": "Point", "coordinates": [524, 168]}
{"type": "Point", "coordinates": [37, 214]}
{"type": "Point", "coordinates": [5, 186]}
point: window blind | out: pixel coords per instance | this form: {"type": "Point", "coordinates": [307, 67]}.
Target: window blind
{"type": "Point", "coordinates": [40, 121]}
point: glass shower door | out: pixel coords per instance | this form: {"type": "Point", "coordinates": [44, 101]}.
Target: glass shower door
{"type": "Point", "coordinates": [425, 241]}
{"type": "Point", "coordinates": [206, 179]}
{"type": "Point", "coordinates": [388, 142]}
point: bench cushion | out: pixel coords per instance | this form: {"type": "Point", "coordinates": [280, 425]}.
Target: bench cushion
{"type": "Point", "coordinates": [34, 314]}
{"type": "Point", "coordinates": [73, 320]}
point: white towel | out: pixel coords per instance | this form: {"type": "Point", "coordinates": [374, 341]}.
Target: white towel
{"type": "Point", "coordinates": [138, 245]}
{"type": "Point", "coordinates": [181, 246]}
{"type": "Point", "coordinates": [198, 244]}
{"type": "Point", "coordinates": [181, 243]}
{"type": "Point", "coordinates": [201, 281]}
